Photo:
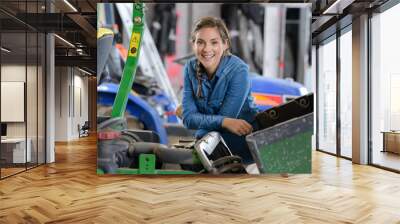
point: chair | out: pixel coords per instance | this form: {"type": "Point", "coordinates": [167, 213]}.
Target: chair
{"type": "Point", "coordinates": [84, 130]}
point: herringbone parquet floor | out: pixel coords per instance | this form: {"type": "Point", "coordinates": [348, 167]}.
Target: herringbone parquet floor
{"type": "Point", "coordinates": [69, 191]}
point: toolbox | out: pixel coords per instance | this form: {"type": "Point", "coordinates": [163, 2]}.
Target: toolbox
{"type": "Point", "coordinates": [283, 148]}
{"type": "Point", "coordinates": [283, 143]}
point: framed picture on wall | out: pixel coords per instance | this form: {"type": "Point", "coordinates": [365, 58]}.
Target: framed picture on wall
{"type": "Point", "coordinates": [12, 101]}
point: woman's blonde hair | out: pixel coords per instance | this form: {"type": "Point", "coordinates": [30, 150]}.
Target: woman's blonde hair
{"type": "Point", "coordinates": [209, 22]}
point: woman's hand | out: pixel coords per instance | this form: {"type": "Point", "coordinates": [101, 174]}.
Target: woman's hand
{"type": "Point", "coordinates": [179, 111]}
{"type": "Point", "coordinates": [237, 126]}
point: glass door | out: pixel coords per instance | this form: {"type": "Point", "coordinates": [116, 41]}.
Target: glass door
{"type": "Point", "coordinates": [385, 89]}
{"type": "Point", "coordinates": [346, 93]}
{"type": "Point", "coordinates": [327, 96]}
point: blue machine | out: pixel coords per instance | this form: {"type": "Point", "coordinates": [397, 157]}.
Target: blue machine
{"type": "Point", "coordinates": [136, 107]}
{"type": "Point", "coordinates": [269, 92]}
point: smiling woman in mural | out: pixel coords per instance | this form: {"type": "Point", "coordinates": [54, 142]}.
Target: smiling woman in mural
{"type": "Point", "coordinates": [216, 94]}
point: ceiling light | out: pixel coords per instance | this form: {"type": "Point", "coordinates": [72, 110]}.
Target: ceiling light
{"type": "Point", "coordinates": [331, 7]}
{"type": "Point", "coordinates": [65, 41]}
{"type": "Point", "coordinates": [70, 5]}
{"type": "Point", "coordinates": [80, 51]}
{"type": "Point", "coordinates": [84, 71]}
{"type": "Point", "coordinates": [337, 7]}
{"type": "Point", "coordinates": [5, 50]}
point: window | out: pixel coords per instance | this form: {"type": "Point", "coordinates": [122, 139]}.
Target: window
{"type": "Point", "coordinates": [385, 87]}
{"type": "Point", "coordinates": [346, 93]}
{"type": "Point", "coordinates": [327, 96]}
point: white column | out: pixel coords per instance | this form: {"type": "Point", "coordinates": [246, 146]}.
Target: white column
{"type": "Point", "coordinates": [360, 90]}
{"type": "Point", "coordinates": [183, 47]}
{"type": "Point", "coordinates": [271, 41]}
{"type": "Point", "coordinates": [50, 98]}
{"type": "Point", "coordinates": [303, 69]}
{"type": "Point", "coordinates": [64, 105]}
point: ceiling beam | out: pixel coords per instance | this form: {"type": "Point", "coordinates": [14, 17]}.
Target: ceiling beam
{"type": "Point", "coordinates": [83, 61]}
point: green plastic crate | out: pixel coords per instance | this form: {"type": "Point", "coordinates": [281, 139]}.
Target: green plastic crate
{"type": "Point", "coordinates": [284, 147]}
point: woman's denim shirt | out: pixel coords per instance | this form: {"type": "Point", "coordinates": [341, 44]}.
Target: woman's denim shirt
{"type": "Point", "coordinates": [226, 95]}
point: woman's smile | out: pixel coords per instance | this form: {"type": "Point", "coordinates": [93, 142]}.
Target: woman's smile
{"type": "Point", "coordinates": [209, 48]}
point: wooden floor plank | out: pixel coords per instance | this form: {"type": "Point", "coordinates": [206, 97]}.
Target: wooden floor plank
{"type": "Point", "coordinates": [69, 191]}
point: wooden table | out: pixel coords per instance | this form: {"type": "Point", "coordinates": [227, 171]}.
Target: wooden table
{"type": "Point", "coordinates": [391, 141]}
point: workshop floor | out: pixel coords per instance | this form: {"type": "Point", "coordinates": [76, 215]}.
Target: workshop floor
{"type": "Point", "coordinates": [69, 191]}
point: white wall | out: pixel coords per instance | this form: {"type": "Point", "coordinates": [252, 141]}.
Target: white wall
{"type": "Point", "coordinates": [71, 102]}
{"type": "Point", "coordinates": [14, 73]}
{"type": "Point", "coordinates": [80, 109]}
{"type": "Point", "coordinates": [33, 126]}
{"type": "Point", "coordinates": [61, 103]}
